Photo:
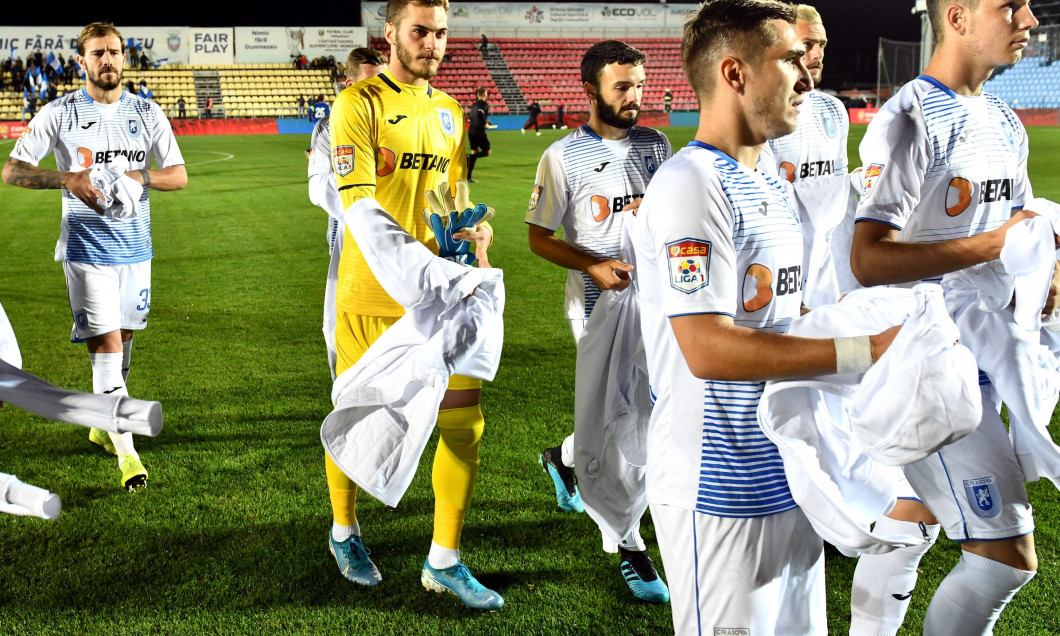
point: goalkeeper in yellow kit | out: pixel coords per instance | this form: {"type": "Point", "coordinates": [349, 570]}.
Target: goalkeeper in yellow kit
{"type": "Point", "coordinates": [394, 138]}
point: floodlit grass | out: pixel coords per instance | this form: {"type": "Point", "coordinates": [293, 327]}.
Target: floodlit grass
{"type": "Point", "coordinates": [230, 536]}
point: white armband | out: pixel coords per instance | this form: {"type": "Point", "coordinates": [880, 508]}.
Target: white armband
{"type": "Point", "coordinates": [853, 355]}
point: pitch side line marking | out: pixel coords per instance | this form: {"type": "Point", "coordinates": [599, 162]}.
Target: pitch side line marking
{"type": "Point", "coordinates": [224, 157]}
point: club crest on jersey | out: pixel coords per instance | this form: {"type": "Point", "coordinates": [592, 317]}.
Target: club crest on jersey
{"type": "Point", "coordinates": [829, 126]}
{"type": "Point", "coordinates": [983, 496]}
{"type": "Point", "coordinates": [689, 261]}
{"type": "Point", "coordinates": [134, 126]}
{"type": "Point", "coordinates": [445, 116]}
{"type": "Point", "coordinates": [871, 175]}
{"type": "Point", "coordinates": [650, 164]}
{"type": "Point", "coordinates": [1010, 134]}
{"type": "Point", "coordinates": [342, 158]}
{"type": "Point", "coordinates": [535, 195]}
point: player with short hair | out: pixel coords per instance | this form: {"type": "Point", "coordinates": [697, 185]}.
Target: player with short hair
{"type": "Point", "coordinates": [478, 122]}
{"type": "Point", "coordinates": [589, 183]}
{"type": "Point", "coordinates": [361, 63]}
{"type": "Point", "coordinates": [533, 111]}
{"type": "Point", "coordinates": [394, 137]}
{"type": "Point", "coordinates": [715, 244]}
{"type": "Point", "coordinates": [107, 262]}
{"type": "Point", "coordinates": [814, 160]}
{"type": "Point", "coordinates": [930, 157]}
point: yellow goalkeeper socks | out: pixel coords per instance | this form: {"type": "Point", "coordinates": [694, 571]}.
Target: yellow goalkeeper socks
{"type": "Point", "coordinates": [455, 468]}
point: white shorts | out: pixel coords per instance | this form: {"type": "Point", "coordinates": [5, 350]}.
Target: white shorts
{"type": "Point", "coordinates": [106, 298]}
{"type": "Point", "coordinates": [739, 577]}
{"type": "Point", "coordinates": [975, 486]}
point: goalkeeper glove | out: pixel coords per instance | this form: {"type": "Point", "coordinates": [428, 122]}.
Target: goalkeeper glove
{"type": "Point", "coordinates": [446, 217]}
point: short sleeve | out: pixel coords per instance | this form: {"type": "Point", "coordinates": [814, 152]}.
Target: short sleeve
{"type": "Point", "coordinates": [164, 142]}
{"type": "Point", "coordinates": [39, 137]}
{"type": "Point", "coordinates": [551, 197]}
{"type": "Point", "coordinates": [353, 146]}
{"type": "Point", "coordinates": [691, 235]}
{"type": "Point", "coordinates": [896, 154]}
{"type": "Point", "coordinates": [1024, 192]}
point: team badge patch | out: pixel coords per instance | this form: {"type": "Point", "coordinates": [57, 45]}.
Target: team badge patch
{"type": "Point", "coordinates": [535, 195]}
{"type": "Point", "coordinates": [871, 174]}
{"type": "Point", "coordinates": [650, 164]}
{"type": "Point", "coordinates": [445, 116]}
{"type": "Point", "coordinates": [689, 261]}
{"type": "Point", "coordinates": [134, 126]}
{"type": "Point", "coordinates": [342, 158]}
{"type": "Point", "coordinates": [829, 126]}
{"type": "Point", "coordinates": [983, 496]}
{"type": "Point", "coordinates": [1010, 134]}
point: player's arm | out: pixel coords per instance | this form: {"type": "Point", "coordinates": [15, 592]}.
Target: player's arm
{"type": "Point", "coordinates": [354, 131]}
{"type": "Point", "coordinates": [170, 174]}
{"type": "Point", "coordinates": [715, 348]}
{"type": "Point", "coordinates": [161, 179]}
{"type": "Point", "coordinates": [607, 273]}
{"type": "Point", "coordinates": [26, 175]}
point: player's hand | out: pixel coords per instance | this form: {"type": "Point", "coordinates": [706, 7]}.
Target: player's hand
{"type": "Point", "coordinates": [79, 185]}
{"type": "Point", "coordinates": [610, 274]}
{"type": "Point", "coordinates": [633, 206]}
{"type": "Point", "coordinates": [879, 343]}
{"type": "Point", "coordinates": [448, 218]}
{"type": "Point", "coordinates": [482, 237]}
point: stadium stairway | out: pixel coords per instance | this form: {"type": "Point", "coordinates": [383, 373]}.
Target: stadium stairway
{"type": "Point", "coordinates": [208, 84]}
{"type": "Point", "coordinates": [502, 77]}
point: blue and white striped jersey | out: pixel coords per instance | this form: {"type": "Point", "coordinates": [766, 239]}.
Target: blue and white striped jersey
{"type": "Point", "coordinates": [713, 237]}
{"type": "Point", "coordinates": [83, 133]}
{"type": "Point", "coordinates": [942, 166]}
{"type": "Point", "coordinates": [322, 189]}
{"type": "Point", "coordinates": [582, 184]}
{"type": "Point", "coordinates": [818, 147]}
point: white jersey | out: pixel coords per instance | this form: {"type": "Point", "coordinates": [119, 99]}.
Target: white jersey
{"type": "Point", "coordinates": [959, 169]}
{"type": "Point", "coordinates": [818, 147]}
{"type": "Point", "coordinates": [83, 133]}
{"type": "Point", "coordinates": [582, 184]}
{"type": "Point", "coordinates": [713, 237]}
{"type": "Point", "coordinates": [322, 189]}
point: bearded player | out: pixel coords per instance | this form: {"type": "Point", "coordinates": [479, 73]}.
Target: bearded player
{"type": "Point", "coordinates": [394, 137]}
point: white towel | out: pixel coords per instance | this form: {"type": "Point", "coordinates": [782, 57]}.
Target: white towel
{"type": "Point", "coordinates": [121, 194]}
{"type": "Point", "coordinates": [8, 343]}
{"type": "Point", "coordinates": [823, 203]}
{"type": "Point", "coordinates": [386, 405]}
{"type": "Point", "coordinates": [18, 498]}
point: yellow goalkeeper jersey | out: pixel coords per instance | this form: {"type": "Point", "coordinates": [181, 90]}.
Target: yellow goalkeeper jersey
{"type": "Point", "coordinates": [392, 142]}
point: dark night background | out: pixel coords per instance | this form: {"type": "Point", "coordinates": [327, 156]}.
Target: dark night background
{"type": "Point", "coordinates": [853, 27]}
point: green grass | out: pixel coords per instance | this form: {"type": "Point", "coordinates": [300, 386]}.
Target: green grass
{"type": "Point", "coordinates": [230, 536]}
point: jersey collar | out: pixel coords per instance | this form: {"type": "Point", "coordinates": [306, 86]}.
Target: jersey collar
{"type": "Point", "coordinates": [629, 133]}
{"type": "Point", "coordinates": [937, 84]}
{"type": "Point", "coordinates": [84, 91]}
{"type": "Point", "coordinates": [399, 87]}
{"type": "Point", "coordinates": [706, 146]}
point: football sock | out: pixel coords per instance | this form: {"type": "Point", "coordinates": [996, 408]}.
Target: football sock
{"type": "Point", "coordinates": [566, 452]}
{"type": "Point", "coordinates": [972, 596]}
{"type": "Point", "coordinates": [441, 558]}
{"type": "Point", "coordinates": [471, 164]}
{"type": "Point", "coordinates": [126, 359]}
{"type": "Point", "coordinates": [340, 532]}
{"type": "Point", "coordinates": [633, 541]}
{"type": "Point", "coordinates": [883, 583]}
{"type": "Point", "coordinates": [107, 378]}
{"type": "Point", "coordinates": [455, 469]}
{"type": "Point", "coordinates": [343, 493]}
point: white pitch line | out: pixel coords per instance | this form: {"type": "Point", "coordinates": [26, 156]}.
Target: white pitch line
{"type": "Point", "coordinates": [224, 157]}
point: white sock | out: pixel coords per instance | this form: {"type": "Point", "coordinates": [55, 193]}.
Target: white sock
{"type": "Point", "coordinates": [126, 358]}
{"type": "Point", "coordinates": [633, 541]}
{"type": "Point", "coordinates": [883, 583]}
{"type": "Point", "coordinates": [340, 533]}
{"type": "Point", "coordinates": [107, 378]}
{"type": "Point", "coordinates": [566, 451]}
{"type": "Point", "coordinates": [441, 558]}
{"type": "Point", "coordinates": [972, 596]}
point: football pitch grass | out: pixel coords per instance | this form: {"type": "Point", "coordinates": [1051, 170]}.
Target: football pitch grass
{"type": "Point", "coordinates": [230, 536]}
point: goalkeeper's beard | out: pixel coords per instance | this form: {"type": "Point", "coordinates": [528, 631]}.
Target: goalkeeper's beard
{"type": "Point", "coordinates": [611, 116]}
{"type": "Point", "coordinates": [425, 70]}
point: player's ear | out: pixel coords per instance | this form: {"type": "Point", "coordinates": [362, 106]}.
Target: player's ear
{"type": "Point", "coordinates": [389, 32]}
{"type": "Point", "coordinates": [590, 90]}
{"type": "Point", "coordinates": [956, 17]}
{"type": "Point", "coordinates": [731, 73]}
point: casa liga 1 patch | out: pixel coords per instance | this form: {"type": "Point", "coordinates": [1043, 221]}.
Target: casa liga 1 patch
{"type": "Point", "coordinates": [689, 264]}
{"type": "Point", "coordinates": [342, 158]}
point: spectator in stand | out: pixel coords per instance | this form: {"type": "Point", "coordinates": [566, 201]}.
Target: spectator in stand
{"type": "Point", "coordinates": [484, 44]}
{"type": "Point", "coordinates": [29, 103]}
{"type": "Point", "coordinates": [534, 111]}
{"type": "Point", "coordinates": [144, 62]}
{"type": "Point", "coordinates": [208, 110]}
{"type": "Point", "coordinates": [130, 88]}
{"type": "Point", "coordinates": [38, 57]}
{"type": "Point", "coordinates": [146, 92]}
{"type": "Point", "coordinates": [668, 101]}
{"type": "Point", "coordinates": [53, 92]}
{"type": "Point", "coordinates": [301, 106]}
{"type": "Point", "coordinates": [181, 107]}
